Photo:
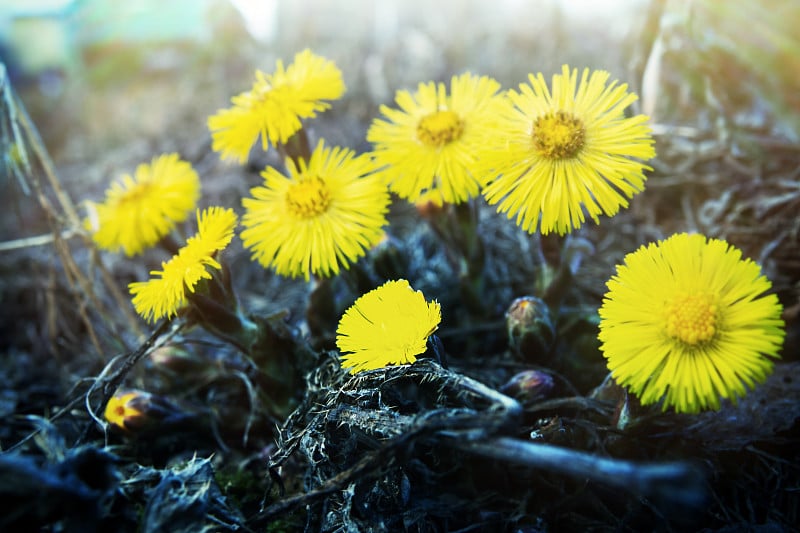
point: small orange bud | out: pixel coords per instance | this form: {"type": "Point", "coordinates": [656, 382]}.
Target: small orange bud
{"type": "Point", "coordinates": [529, 386]}
{"type": "Point", "coordinates": [125, 410]}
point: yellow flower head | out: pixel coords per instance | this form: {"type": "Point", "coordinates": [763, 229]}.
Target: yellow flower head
{"type": "Point", "coordinates": [140, 210]}
{"type": "Point", "coordinates": [389, 325]}
{"type": "Point", "coordinates": [274, 106]}
{"type": "Point", "coordinates": [431, 143]}
{"type": "Point", "coordinates": [125, 410]}
{"type": "Point", "coordinates": [686, 320]}
{"type": "Point", "coordinates": [557, 156]}
{"type": "Point", "coordinates": [164, 294]}
{"type": "Point", "coordinates": [326, 214]}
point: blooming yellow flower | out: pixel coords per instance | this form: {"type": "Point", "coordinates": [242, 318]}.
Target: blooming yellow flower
{"type": "Point", "coordinates": [389, 325]}
{"type": "Point", "coordinates": [164, 294]}
{"type": "Point", "coordinates": [326, 214]}
{"type": "Point", "coordinates": [556, 157]}
{"type": "Point", "coordinates": [431, 144]}
{"type": "Point", "coordinates": [686, 320]}
{"type": "Point", "coordinates": [274, 106]}
{"type": "Point", "coordinates": [138, 211]}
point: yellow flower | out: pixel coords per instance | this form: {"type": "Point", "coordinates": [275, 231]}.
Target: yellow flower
{"type": "Point", "coordinates": [215, 227]}
{"type": "Point", "coordinates": [125, 410]}
{"type": "Point", "coordinates": [389, 325]}
{"type": "Point", "coordinates": [432, 142]}
{"type": "Point", "coordinates": [687, 320]}
{"type": "Point", "coordinates": [140, 210]}
{"type": "Point", "coordinates": [164, 294]}
{"type": "Point", "coordinates": [274, 106]}
{"type": "Point", "coordinates": [327, 213]}
{"type": "Point", "coordinates": [558, 156]}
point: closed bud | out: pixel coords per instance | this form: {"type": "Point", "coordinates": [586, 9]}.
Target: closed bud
{"type": "Point", "coordinates": [126, 410]}
{"type": "Point", "coordinates": [135, 411]}
{"type": "Point", "coordinates": [627, 408]}
{"type": "Point", "coordinates": [177, 361]}
{"type": "Point", "coordinates": [530, 329]}
{"type": "Point", "coordinates": [529, 386]}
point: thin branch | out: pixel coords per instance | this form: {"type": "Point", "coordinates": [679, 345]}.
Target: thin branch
{"type": "Point", "coordinates": [109, 381]}
{"type": "Point", "coordinates": [47, 164]}
{"type": "Point", "coordinates": [672, 480]}
{"type": "Point", "coordinates": [39, 240]}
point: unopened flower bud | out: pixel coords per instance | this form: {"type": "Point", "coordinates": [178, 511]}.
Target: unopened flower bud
{"type": "Point", "coordinates": [529, 386]}
{"type": "Point", "coordinates": [135, 411]}
{"type": "Point", "coordinates": [627, 408]}
{"type": "Point", "coordinates": [126, 410]}
{"type": "Point", "coordinates": [530, 329]}
{"type": "Point", "coordinates": [177, 360]}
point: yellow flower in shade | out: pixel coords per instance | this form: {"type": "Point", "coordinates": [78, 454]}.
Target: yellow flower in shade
{"type": "Point", "coordinates": [138, 211]}
{"type": "Point", "coordinates": [325, 215]}
{"type": "Point", "coordinates": [386, 326]}
{"type": "Point", "coordinates": [557, 156]}
{"type": "Point", "coordinates": [432, 143]}
{"type": "Point", "coordinates": [274, 106]}
{"type": "Point", "coordinates": [686, 319]}
{"type": "Point", "coordinates": [124, 410]}
{"type": "Point", "coordinates": [164, 294]}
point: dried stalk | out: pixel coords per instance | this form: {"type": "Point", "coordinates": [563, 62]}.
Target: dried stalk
{"type": "Point", "coordinates": [63, 220]}
{"type": "Point", "coordinates": [673, 480]}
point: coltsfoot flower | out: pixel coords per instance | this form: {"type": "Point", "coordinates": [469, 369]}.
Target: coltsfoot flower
{"type": "Point", "coordinates": [138, 211]}
{"type": "Point", "coordinates": [165, 293]}
{"type": "Point", "coordinates": [555, 157]}
{"type": "Point", "coordinates": [322, 217]}
{"type": "Point", "coordinates": [687, 320]}
{"type": "Point", "coordinates": [274, 107]}
{"type": "Point", "coordinates": [141, 413]}
{"type": "Point", "coordinates": [389, 325]}
{"type": "Point", "coordinates": [431, 144]}
{"type": "Point", "coordinates": [125, 410]}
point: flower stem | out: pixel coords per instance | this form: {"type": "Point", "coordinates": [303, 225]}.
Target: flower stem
{"type": "Point", "coordinates": [297, 148]}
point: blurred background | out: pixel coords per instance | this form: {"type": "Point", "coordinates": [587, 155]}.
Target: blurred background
{"type": "Point", "coordinates": [123, 80]}
{"type": "Point", "coordinates": [101, 76]}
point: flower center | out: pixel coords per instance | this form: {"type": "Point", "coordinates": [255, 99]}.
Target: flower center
{"type": "Point", "coordinates": [308, 197]}
{"type": "Point", "coordinates": [558, 135]}
{"type": "Point", "coordinates": [135, 194]}
{"type": "Point", "coordinates": [691, 318]}
{"type": "Point", "coordinates": [439, 128]}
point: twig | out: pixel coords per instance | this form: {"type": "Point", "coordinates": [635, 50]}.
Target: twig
{"type": "Point", "coordinates": [252, 400]}
{"type": "Point", "coordinates": [64, 224]}
{"type": "Point", "coordinates": [673, 480]}
{"type": "Point", "coordinates": [47, 164]}
{"type": "Point", "coordinates": [76, 278]}
{"type": "Point", "coordinates": [578, 403]}
{"type": "Point", "coordinates": [110, 381]}
{"type": "Point", "coordinates": [39, 240]}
